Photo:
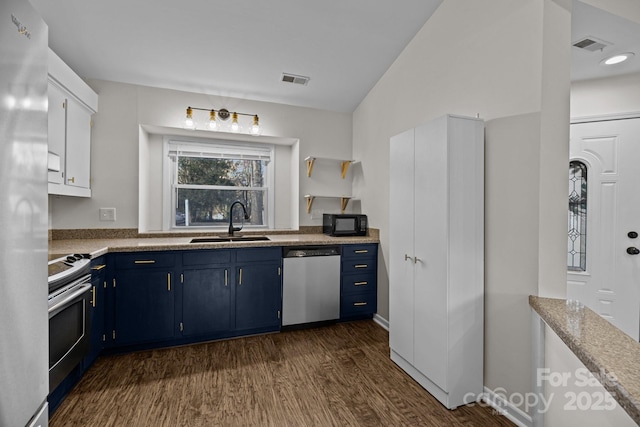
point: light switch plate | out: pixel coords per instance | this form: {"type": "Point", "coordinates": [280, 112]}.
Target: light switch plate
{"type": "Point", "coordinates": [107, 214]}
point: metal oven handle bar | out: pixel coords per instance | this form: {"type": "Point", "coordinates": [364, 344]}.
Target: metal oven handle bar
{"type": "Point", "coordinates": [60, 305]}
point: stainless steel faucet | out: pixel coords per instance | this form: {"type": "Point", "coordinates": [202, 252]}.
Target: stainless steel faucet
{"type": "Point", "coordinates": [233, 229]}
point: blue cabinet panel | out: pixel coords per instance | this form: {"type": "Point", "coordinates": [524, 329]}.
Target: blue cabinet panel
{"type": "Point", "coordinates": [207, 257]}
{"type": "Point", "coordinates": [144, 305]}
{"type": "Point", "coordinates": [206, 301]}
{"type": "Point", "coordinates": [259, 254]}
{"type": "Point", "coordinates": [258, 296]}
{"type": "Point", "coordinates": [97, 308]}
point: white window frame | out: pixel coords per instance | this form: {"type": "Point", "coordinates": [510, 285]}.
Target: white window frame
{"type": "Point", "coordinates": [223, 148]}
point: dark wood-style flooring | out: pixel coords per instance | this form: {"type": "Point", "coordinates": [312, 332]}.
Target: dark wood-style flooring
{"type": "Point", "coordinates": [340, 375]}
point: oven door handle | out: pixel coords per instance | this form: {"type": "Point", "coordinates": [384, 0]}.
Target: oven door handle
{"type": "Point", "coordinates": [60, 305]}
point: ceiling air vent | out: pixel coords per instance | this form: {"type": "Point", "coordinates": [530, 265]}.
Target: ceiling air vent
{"type": "Point", "coordinates": [292, 78]}
{"type": "Point", "coordinates": [591, 44]}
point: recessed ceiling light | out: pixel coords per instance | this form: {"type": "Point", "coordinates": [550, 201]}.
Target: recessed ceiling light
{"type": "Point", "coordinates": [616, 59]}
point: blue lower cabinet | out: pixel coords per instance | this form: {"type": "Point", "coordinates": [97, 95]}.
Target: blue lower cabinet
{"type": "Point", "coordinates": [172, 298]}
{"type": "Point", "coordinates": [206, 301]}
{"type": "Point", "coordinates": [230, 292]}
{"type": "Point", "coordinates": [258, 296]}
{"type": "Point", "coordinates": [358, 281]}
{"type": "Point", "coordinates": [144, 306]}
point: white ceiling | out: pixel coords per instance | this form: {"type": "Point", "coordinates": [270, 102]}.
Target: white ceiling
{"type": "Point", "coordinates": [240, 49]}
{"type": "Point", "coordinates": [621, 34]}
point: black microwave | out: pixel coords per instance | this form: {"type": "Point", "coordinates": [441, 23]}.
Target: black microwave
{"type": "Point", "coordinates": [344, 224]}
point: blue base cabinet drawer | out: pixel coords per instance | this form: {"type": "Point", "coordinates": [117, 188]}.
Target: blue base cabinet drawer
{"type": "Point", "coordinates": [358, 305]}
{"type": "Point", "coordinates": [145, 260]}
{"type": "Point", "coordinates": [359, 281]}
{"type": "Point", "coordinates": [364, 251]}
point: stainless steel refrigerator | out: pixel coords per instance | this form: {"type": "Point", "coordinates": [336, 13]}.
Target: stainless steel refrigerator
{"type": "Point", "coordinates": [24, 323]}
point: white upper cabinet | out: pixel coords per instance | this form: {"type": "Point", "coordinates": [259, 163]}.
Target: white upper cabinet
{"type": "Point", "coordinates": [57, 133]}
{"type": "Point", "coordinates": [71, 104]}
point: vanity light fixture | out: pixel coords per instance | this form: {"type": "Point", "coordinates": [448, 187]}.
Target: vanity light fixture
{"type": "Point", "coordinates": [617, 59]}
{"type": "Point", "coordinates": [217, 119]}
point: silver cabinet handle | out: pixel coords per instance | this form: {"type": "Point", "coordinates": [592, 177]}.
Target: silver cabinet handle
{"type": "Point", "coordinates": [414, 259]}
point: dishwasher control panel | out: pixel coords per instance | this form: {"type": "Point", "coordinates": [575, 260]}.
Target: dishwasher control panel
{"type": "Point", "coordinates": [309, 251]}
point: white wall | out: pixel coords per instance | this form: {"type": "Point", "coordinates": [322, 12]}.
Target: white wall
{"type": "Point", "coordinates": [507, 61]}
{"type": "Point", "coordinates": [601, 97]}
{"type": "Point", "coordinates": [115, 149]}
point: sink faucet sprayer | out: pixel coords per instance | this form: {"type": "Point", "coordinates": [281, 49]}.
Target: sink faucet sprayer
{"type": "Point", "coordinates": [232, 229]}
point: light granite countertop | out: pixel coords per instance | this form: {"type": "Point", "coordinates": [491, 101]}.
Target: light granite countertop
{"type": "Point", "coordinates": [100, 246]}
{"type": "Point", "coordinates": [605, 350]}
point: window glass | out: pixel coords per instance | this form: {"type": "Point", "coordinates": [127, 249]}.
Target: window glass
{"type": "Point", "coordinates": [577, 237]}
{"type": "Point", "coordinates": [207, 179]}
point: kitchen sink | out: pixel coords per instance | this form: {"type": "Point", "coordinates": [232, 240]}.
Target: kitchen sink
{"type": "Point", "coordinates": [216, 239]}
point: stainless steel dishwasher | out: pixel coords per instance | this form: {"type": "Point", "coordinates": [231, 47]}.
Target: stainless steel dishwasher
{"type": "Point", "coordinates": [311, 284]}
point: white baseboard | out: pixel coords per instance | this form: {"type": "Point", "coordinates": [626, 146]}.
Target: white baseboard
{"type": "Point", "coordinates": [381, 321]}
{"type": "Point", "coordinates": [506, 409]}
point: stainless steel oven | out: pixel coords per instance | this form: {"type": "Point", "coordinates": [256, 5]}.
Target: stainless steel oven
{"type": "Point", "coordinates": [69, 328]}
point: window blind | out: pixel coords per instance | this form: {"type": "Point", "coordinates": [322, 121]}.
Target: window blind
{"type": "Point", "coordinates": [244, 152]}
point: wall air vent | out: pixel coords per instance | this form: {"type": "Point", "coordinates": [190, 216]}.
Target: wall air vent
{"type": "Point", "coordinates": [591, 44]}
{"type": "Point", "coordinates": [292, 78]}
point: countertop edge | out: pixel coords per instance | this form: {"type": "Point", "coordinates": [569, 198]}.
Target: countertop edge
{"type": "Point", "coordinates": [548, 310]}
{"type": "Point", "coordinates": [99, 247]}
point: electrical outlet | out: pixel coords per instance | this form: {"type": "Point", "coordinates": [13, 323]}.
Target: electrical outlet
{"type": "Point", "coordinates": [107, 214]}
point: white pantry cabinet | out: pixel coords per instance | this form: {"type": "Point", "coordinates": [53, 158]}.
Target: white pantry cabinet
{"type": "Point", "coordinates": [71, 104]}
{"type": "Point", "coordinates": [436, 265]}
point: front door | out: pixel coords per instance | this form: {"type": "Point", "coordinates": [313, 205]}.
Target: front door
{"type": "Point", "coordinates": [608, 281]}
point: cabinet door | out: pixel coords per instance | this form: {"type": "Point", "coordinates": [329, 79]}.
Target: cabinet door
{"type": "Point", "coordinates": [431, 248]}
{"type": "Point", "coordinates": [258, 296]}
{"type": "Point", "coordinates": [401, 236]}
{"type": "Point", "coordinates": [57, 128]}
{"type": "Point", "coordinates": [96, 316]}
{"type": "Point", "coordinates": [206, 304]}
{"type": "Point", "coordinates": [78, 146]}
{"type": "Point", "coordinates": [144, 306]}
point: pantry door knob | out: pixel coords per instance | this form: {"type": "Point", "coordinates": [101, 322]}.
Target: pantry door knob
{"type": "Point", "coordinates": [633, 251]}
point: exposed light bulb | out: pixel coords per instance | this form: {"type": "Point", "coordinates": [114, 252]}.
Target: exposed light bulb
{"type": "Point", "coordinates": [189, 123]}
{"type": "Point", "coordinates": [11, 102]}
{"type": "Point", "coordinates": [234, 122]}
{"type": "Point", "coordinates": [255, 127]}
{"type": "Point", "coordinates": [218, 121]}
{"type": "Point", "coordinates": [213, 123]}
